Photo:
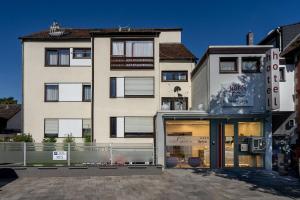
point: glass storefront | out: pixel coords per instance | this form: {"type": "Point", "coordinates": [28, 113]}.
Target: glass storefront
{"type": "Point", "coordinates": [187, 143]}
{"type": "Point", "coordinates": [246, 130]}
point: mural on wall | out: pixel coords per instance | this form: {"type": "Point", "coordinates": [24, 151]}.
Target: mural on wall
{"type": "Point", "coordinates": [237, 94]}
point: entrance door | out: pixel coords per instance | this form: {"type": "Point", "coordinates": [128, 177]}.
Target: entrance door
{"type": "Point", "coordinates": [228, 145]}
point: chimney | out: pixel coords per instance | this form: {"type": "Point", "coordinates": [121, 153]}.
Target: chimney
{"type": "Point", "coordinates": [250, 38]}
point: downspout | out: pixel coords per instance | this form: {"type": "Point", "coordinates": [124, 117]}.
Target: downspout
{"type": "Point", "coordinates": [22, 105]}
{"type": "Point", "coordinates": [92, 103]}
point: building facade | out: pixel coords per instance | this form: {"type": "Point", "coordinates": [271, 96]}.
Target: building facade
{"type": "Point", "coordinates": [228, 116]}
{"type": "Point", "coordinates": [103, 84]}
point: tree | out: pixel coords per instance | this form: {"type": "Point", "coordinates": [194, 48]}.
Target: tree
{"type": "Point", "coordinates": [8, 100]}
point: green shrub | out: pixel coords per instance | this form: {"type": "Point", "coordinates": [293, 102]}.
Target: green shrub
{"type": "Point", "coordinates": [49, 140]}
{"type": "Point", "coordinates": [88, 139]}
{"type": "Point", "coordinates": [23, 138]}
{"type": "Point", "coordinates": [69, 139]}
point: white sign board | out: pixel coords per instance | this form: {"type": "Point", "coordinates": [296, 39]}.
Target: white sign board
{"type": "Point", "coordinates": [59, 155]}
{"type": "Point", "coordinates": [272, 79]}
{"type": "Point", "coordinates": [237, 94]}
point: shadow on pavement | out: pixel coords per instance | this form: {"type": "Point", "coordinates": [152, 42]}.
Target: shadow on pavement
{"type": "Point", "coordinates": [7, 176]}
{"type": "Point", "coordinates": [261, 180]}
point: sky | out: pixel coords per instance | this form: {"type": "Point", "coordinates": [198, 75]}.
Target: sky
{"type": "Point", "coordinates": [213, 22]}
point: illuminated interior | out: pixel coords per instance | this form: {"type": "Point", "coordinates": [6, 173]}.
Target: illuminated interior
{"type": "Point", "coordinates": [229, 145]}
{"type": "Point", "coordinates": [188, 141]}
{"type": "Point", "coordinates": [249, 129]}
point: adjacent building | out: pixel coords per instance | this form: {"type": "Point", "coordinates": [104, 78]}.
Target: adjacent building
{"type": "Point", "coordinates": [104, 84]}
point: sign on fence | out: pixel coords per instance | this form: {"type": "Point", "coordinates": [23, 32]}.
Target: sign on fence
{"type": "Point", "coordinates": [59, 155]}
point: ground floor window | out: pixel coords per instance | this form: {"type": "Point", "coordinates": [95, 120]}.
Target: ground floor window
{"type": "Point", "coordinates": [187, 143]}
{"type": "Point", "coordinates": [247, 130]}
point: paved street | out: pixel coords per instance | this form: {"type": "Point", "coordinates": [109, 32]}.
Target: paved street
{"type": "Point", "coordinates": [172, 184]}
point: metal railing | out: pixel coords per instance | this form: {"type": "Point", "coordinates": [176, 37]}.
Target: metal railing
{"type": "Point", "coordinates": [69, 154]}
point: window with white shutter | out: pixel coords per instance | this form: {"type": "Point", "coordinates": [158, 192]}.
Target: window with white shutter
{"type": "Point", "coordinates": [139, 126]}
{"type": "Point", "coordinates": [139, 87]}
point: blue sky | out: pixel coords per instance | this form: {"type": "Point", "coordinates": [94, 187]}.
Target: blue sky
{"type": "Point", "coordinates": [214, 22]}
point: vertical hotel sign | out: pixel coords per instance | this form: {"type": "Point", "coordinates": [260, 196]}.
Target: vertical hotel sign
{"type": "Point", "coordinates": [272, 79]}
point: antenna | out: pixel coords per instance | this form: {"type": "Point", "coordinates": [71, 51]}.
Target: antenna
{"type": "Point", "coordinates": [55, 29]}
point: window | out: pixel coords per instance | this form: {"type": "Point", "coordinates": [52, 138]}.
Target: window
{"type": "Point", "coordinates": [136, 87]}
{"type": "Point", "coordinates": [86, 93]}
{"type": "Point", "coordinates": [281, 74]}
{"type": "Point", "coordinates": [51, 127]}
{"type": "Point", "coordinates": [251, 65]}
{"type": "Point", "coordinates": [174, 103]}
{"type": "Point", "coordinates": [113, 87]}
{"type": "Point", "coordinates": [132, 87]}
{"type": "Point", "coordinates": [82, 53]}
{"type": "Point", "coordinates": [113, 127]}
{"type": "Point", "coordinates": [86, 127]}
{"type": "Point", "coordinates": [57, 57]}
{"type": "Point", "coordinates": [228, 65]}
{"type": "Point", "coordinates": [68, 92]}
{"type": "Point", "coordinates": [132, 54]}
{"type": "Point", "coordinates": [176, 76]}
{"type": "Point", "coordinates": [132, 48]}
{"type": "Point", "coordinates": [51, 92]}
{"type": "Point", "coordinates": [131, 127]}
{"type": "Point", "coordinates": [139, 126]}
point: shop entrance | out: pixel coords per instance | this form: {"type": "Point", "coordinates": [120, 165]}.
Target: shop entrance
{"type": "Point", "coordinates": [233, 144]}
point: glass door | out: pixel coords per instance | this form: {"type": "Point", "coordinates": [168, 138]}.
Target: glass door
{"type": "Point", "coordinates": [228, 145]}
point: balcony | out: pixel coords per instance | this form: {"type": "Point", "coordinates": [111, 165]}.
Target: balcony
{"type": "Point", "coordinates": [121, 62]}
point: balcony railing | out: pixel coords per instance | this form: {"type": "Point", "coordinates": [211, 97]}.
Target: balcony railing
{"type": "Point", "coordinates": [117, 62]}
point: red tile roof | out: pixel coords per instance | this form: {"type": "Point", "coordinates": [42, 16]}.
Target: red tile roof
{"type": "Point", "coordinates": [175, 51]}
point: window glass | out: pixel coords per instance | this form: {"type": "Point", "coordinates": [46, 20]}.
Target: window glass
{"type": "Point", "coordinates": [228, 65]}
{"type": "Point", "coordinates": [174, 103]}
{"type": "Point", "coordinates": [250, 64]}
{"type": "Point", "coordinates": [87, 93]}
{"type": "Point", "coordinates": [86, 127]}
{"type": "Point", "coordinates": [82, 53]}
{"type": "Point", "coordinates": [246, 130]}
{"type": "Point", "coordinates": [187, 143]}
{"type": "Point", "coordinates": [282, 74]}
{"type": "Point", "coordinates": [118, 48]}
{"type": "Point", "coordinates": [51, 127]}
{"type": "Point", "coordinates": [113, 87]}
{"type": "Point", "coordinates": [51, 93]}
{"type": "Point", "coordinates": [174, 76]}
{"type": "Point", "coordinates": [64, 57]}
{"type": "Point", "coordinates": [52, 57]}
{"type": "Point", "coordinates": [58, 57]}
